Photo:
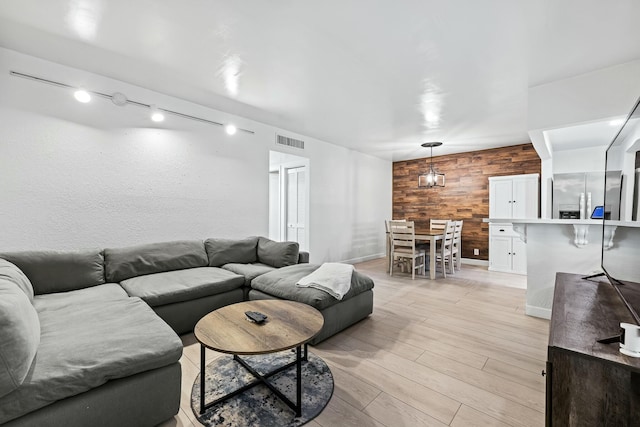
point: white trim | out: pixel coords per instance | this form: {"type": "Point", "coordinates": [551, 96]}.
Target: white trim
{"type": "Point", "coordinates": [473, 261]}
{"type": "Point", "coordinates": [506, 177]}
{"type": "Point", "coordinates": [544, 313]}
{"type": "Point", "coordinates": [364, 258]}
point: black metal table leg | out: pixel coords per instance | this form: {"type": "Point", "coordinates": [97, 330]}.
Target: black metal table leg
{"type": "Point", "coordinates": [260, 379]}
{"type": "Point", "coordinates": [202, 367]}
{"type": "Point", "coordinates": [299, 379]}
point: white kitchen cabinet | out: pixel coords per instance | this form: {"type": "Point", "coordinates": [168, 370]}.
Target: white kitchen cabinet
{"type": "Point", "coordinates": [507, 251]}
{"type": "Point", "coordinates": [513, 196]}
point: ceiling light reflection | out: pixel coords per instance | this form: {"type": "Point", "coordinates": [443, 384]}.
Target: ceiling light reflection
{"type": "Point", "coordinates": [83, 17]}
{"type": "Point", "coordinates": [431, 102]}
{"type": "Point", "coordinates": [231, 71]}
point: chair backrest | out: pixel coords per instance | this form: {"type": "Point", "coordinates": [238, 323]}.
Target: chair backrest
{"type": "Point", "coordinates": [386, 223]}
{"type": "Point", "coordinates": [437, 224]}
{"type": "Point", "coordinates": [457, 231]}
{"type": "Point", "coordinates": [448, 239]}
{"type": "Point", "coordinates": [403, 235]}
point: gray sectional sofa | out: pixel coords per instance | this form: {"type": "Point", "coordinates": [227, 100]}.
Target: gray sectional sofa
{"type": "Point", "coordinates": [83, 336]}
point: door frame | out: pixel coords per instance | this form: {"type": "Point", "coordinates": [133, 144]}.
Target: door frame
{"type": "Point", "coordinates": [283, 167]}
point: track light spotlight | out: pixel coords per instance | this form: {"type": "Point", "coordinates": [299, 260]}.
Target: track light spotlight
{"type": "Point", "coordinates": [230, 129]}
{"type": "Point", "coordinates": [82, 95]}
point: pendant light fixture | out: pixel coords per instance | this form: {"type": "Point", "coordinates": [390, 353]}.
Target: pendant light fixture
{"type": "Point", "coordinates": [432, 178]}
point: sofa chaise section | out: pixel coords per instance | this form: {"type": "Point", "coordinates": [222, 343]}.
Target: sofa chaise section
{"type": "Point", "coordinates": [98, 350]}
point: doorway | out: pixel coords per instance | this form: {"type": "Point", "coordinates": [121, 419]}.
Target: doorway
{"type": "Point", "coordinates": [289, 198]}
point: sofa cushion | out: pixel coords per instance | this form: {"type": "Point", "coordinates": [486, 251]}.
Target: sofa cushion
{"type": "Point", "coordinates": [132, 261]}
{"type": "Point", "coordinates": [12, 273]}
{"type": "Point", "coordinates": [181, 285]}
{"type": "Point", "coordinates": [281, 283]}
{"type": "Point", "coordinates": [249, 271]}
{"type": "Point", "coordinates": [59, 271]}
{"type": "Point", "coordinates": [57, 301]}
{"type": "Point", "coordinates": [277, 254]}
{"type": "Point", "coordinates": [19, 335]}
{"type": "Point", "coordinates": [85, 345]}
{"type": "Point", "coordinates": [225, 251]}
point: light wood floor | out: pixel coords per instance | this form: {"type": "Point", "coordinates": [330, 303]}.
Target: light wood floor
{"type": "Point", "coordinates": [457, 351]}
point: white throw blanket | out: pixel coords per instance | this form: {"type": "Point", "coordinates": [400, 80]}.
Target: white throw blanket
{"type": "Point", "coordinates": [331, 277]}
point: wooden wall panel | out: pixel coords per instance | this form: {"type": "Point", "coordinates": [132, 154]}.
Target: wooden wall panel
{"type": "Point", "coordinates": [466, 192]}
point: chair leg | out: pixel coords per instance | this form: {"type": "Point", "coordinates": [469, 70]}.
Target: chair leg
{"type": "Point", "coordinates": [443, 261]}
{"type": "Point", "coordinates": [391, 266]}
{"type": "Point", "coordinates": [413, 268]}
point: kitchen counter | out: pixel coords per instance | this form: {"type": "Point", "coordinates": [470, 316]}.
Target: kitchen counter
{"type": "Point", "coordinates": [565, 245]}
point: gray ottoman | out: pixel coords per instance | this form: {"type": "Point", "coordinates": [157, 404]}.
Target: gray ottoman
{"type": "Point", "coordinates": [338, 314]}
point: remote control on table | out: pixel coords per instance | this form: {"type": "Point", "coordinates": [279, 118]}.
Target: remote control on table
{"type": "Point", "coordinates": [255, 316]}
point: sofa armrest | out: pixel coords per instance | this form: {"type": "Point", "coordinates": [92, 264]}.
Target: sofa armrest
{"type": "Point", "coordinates": [303, 257]}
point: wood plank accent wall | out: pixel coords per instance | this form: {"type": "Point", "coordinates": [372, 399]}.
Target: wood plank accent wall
{"type": "Point", "coordinates": [466, 192]}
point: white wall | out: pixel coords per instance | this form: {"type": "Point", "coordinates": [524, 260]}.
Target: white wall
{"type": "Point", "coordinates": [100, 175]}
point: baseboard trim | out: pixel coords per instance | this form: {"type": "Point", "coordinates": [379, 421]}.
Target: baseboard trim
{"type": "Point", "coordinates": [544, 313]}
{"type": "Point", "coordinates": [473, 261]}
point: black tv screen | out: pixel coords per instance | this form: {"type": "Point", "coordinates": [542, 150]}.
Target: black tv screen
{"type": "Point", "coordinates": [621, 235]}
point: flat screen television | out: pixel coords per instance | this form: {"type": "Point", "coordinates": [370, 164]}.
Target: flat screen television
{"type": "Point", "coordinates": [620, 259]}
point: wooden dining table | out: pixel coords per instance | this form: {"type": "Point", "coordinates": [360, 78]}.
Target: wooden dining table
{"type": "Point", "coordinates": [432, 235]}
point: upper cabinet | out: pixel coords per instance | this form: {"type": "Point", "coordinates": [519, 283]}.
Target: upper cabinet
{"type": "Point", "coordinates": [513, 196]}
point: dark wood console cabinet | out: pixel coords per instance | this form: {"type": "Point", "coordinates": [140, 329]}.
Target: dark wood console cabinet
{"type": "Point", "coordinates": [589, 383]}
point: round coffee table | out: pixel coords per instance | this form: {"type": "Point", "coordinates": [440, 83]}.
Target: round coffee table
{"type": "Point", "coordinates": [289, 324]}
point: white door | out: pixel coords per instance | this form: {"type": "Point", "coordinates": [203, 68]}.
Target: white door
{"type": "Point", "coordinates": [500, 253]}
{"type": "Point", "coordinates": [501, 199]}
{"type": "Point", "coordinates": [519, 255]}
{"type": "Point", "coordinates": [295, 209]}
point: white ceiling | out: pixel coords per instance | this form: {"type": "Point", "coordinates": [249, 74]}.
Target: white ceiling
{"type": "Point", "coordinates": [377, 76]}
{"type": "Point", "coordinates": [597, 134]}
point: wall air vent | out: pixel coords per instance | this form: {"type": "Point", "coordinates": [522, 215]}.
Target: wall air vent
{"type": "Point", "coordinates": [289, 142]}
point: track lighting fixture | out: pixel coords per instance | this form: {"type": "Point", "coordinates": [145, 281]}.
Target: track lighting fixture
{"type": "Point", "coordinates": [120, 99]}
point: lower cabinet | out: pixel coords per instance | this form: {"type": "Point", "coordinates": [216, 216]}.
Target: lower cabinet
{"type": "Point", "coordinates": [589, 383]}
{"type": "Point", "coordinates": [507, 252]}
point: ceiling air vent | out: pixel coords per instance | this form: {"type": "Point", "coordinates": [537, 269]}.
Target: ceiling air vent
{"type": "Point", "coordinates": [289, 142]}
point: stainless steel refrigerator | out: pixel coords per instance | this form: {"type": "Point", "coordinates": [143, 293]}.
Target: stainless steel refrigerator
{"type": "Point", "coordinates": [575, 195]}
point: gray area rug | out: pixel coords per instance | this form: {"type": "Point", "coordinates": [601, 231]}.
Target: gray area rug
{"type": "Point", "coordinates": [258, 406]}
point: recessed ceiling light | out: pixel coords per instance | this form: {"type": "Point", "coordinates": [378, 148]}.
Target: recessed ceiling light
{"type": "Point", "coordinates": [230, 129]}
{"type": "Point", "coordinates": [616, 122]}
{"type": "Point", "coordinates": [82, 95]}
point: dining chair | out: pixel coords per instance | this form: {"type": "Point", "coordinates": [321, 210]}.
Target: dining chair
{"type": "Point", "coordinates": [434, 224]}
{"type": "Point", "coordinates": [388, 248]}
{"type": "Point", "coordinates": [446, 248]}
{"type": "Point", "coordinates": [403, 247]}
{"type": "Point", "coordinates": [457, 243]}
{"type": "Point", "coordinates": [437, 224]}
